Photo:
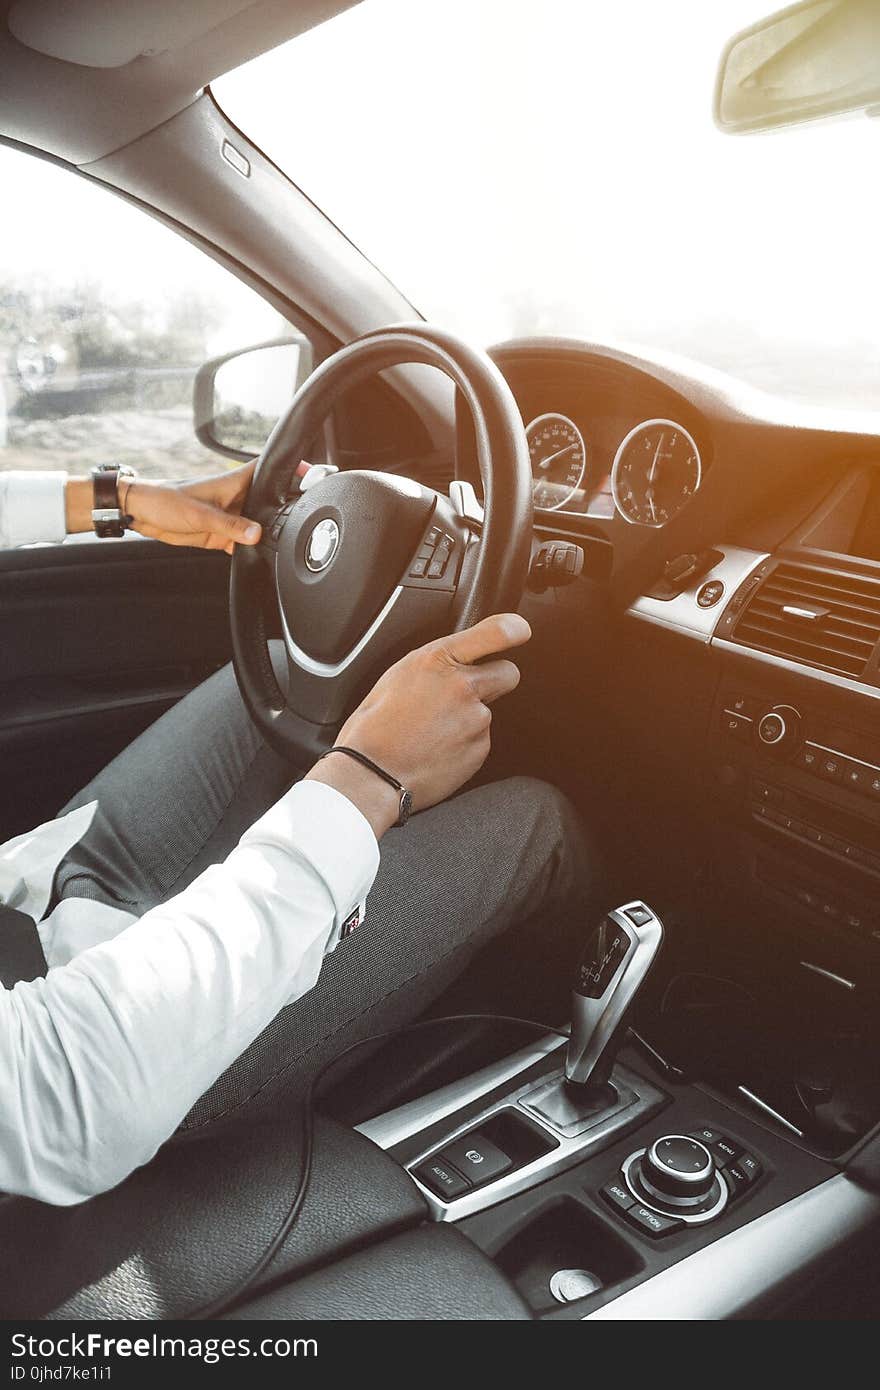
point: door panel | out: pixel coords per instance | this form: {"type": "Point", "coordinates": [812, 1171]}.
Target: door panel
{"type": "Point", "coordinates": [96, 641]}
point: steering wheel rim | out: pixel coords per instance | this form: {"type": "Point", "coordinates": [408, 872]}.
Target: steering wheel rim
{"type": "Point", "coordinates": [338, 563]}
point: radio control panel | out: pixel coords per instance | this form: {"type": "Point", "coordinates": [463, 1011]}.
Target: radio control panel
{"type": "Point", "coordinates": [807, 789]}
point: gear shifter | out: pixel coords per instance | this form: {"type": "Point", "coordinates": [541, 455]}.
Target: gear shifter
{"type": "Point", "coordinates": [614, 966]}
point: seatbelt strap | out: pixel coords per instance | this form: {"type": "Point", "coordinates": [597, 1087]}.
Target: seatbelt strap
{"type": "Point", "coordinates": [21, 950]}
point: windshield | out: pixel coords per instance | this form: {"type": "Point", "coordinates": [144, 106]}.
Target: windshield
{"type": "Point", "coordinates": [520, 168]}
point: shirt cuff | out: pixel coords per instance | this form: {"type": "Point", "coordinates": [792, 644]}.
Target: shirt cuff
{"type": "Point", "coordinates": [34, 507]}
{"type": "Point", "coordinates": [331, 835]}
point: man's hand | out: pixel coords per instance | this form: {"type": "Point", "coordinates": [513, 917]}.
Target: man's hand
{"type": "Point", "coordinates": [205, 514]}
{"type": "Point", "coordinates": [427, 720]}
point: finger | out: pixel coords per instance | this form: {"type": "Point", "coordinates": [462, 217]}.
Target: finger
{"type": "Point", "coordinates": [492, 679]}
{"type": "Point", "coordinates": [238, 529]}
{"type": "Point", "coordinates": [495, 634]}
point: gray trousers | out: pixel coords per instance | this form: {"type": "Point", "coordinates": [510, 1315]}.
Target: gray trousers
{"type": "Point", "coordinates": [507, 858]}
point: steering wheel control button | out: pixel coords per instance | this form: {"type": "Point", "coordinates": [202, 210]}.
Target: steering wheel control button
{"type": "Point", "coordinates": [442, 1179]}
{"type": "Point", "coordinates": [477, 1158]}
{"type": "Point", "coordinates": [710, 593]}
{"type": "Point", "coordinates": [651, 1223]}
{"type": "Point", "coordinates": [618, 1195]}
{"type": "Point", "coordinates": [434, 555]}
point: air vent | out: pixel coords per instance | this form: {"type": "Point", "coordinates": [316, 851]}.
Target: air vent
{"type": "Point", "coordinates": [822, 618]}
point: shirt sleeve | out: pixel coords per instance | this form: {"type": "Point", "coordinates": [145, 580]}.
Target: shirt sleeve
{"type": "Point", "coordinates": [31, 508]}
{"type": "Point", "coordinates": [101, 1059]}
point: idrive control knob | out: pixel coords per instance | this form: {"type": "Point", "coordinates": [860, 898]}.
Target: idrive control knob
{"type": "Point", "coordinates": [679, 1169]}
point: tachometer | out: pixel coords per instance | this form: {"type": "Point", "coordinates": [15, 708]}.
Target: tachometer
{"type": "Point", "coordinates": [656, 470]}
{"type": "Point", "coordinates": [559, 460]}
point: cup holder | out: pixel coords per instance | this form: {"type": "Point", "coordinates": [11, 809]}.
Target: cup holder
{"type": "Point", "coordinates": [564, 1236]}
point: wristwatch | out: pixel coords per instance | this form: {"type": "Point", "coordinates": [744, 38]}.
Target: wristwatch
{"type": "Point", "coordinates": [108, 517]}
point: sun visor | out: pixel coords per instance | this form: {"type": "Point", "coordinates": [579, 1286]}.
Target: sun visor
{"type": "Point", "coordinates": [111, 33]}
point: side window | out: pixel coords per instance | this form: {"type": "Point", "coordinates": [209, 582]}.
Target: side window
{"type": "Point", "coordinates": [105, 317]}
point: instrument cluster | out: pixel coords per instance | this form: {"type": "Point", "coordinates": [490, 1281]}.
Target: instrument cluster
{"type": "Point", "coordinates": [655, 470]}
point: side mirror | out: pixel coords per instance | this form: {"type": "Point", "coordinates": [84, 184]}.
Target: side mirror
{"type": "Point", "coordinates": [238, 398]}
{"type": "Point", "coordinates": [818, 58]}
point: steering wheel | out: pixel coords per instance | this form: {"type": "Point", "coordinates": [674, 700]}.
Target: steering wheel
{"type": "Point", "coordinates": [365, 566]}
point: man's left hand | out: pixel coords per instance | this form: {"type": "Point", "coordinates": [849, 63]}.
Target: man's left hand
{"type": "Point", "coordinates": [205, 514]}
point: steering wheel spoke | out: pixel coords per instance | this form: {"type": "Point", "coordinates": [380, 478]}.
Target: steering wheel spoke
{"type": "Point", "coordinates": [364, 566]}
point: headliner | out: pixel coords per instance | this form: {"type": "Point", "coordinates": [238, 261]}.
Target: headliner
{"type": "Point", "coordinates": [81, 78]}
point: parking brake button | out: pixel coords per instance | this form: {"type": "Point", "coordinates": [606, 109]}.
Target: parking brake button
{"type": "Point", "coordinates": [477, 1158]}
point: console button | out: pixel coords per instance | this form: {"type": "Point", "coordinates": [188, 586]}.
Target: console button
{"type": "Point", "coordinates": [618, 1195]}
{"type": "Point", "coordinates": [831, 767]}
{"type": "Point", "coordinates": [639, 916]}
{"type": "Point", "coordinates": [739, 1176]}
{"type": "Point", "coordinates": [736, 726]}
{"type": "Point", "coordinates": [477, 1158]}
{"type": "Point", "coordinates": [651, 1222]}
{"type": "Point", "coordinates": [441, 1178]}
{"type": "Point", "coordinates": [726, 1150]}
{"type": "Point", "coordinates": [710, 593]}
{"type": "Point", "coordinates": [874, 783]}
{"type": "Point", "coordinates": [808, 758]}
{"type": "Point", "coordinates": [770, 795]}
{"type": "Point", "coordinates": [707, 1136]}
{"type": "Point", "coordinates": [749, 1166]}
{"type": "Point", "coordinates": [857, 776]}
{"type": "Point", "coordinates": [771, 728]}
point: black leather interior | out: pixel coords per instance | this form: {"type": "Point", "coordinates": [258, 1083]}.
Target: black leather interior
{"type": "Point", "coordinates": [183, 1230]}
{"type": "Point", "coordinates": [98, 640]}
{"type": "Point", "coordinates": [432, 1273]}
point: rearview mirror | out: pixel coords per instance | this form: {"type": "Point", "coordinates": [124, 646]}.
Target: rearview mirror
{"type": "Point", "coordinates": [817, 58]}
{"type": "Point", "coordinates": [238, 398]}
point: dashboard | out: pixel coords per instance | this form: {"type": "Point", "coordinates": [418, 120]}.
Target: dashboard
{"type": "Point", "coordinates": [758, 748]}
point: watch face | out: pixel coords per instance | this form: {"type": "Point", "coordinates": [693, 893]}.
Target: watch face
{"type": "Point", "coordinates": [406, 806]}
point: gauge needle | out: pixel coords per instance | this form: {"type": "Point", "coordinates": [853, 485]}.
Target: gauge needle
{"type": "Point", "coordinates": [656, 459]}
{"type": "Point", "coordinates": [545, 463]}
{"type": "Point", "coordinates": [650, 498]}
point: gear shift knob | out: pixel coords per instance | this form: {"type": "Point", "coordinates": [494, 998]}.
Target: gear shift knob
{"type": "Point", "coordinates": [613, 968]}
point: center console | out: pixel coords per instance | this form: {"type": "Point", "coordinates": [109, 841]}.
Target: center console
{"type": "Point", "coordinates": [585, 1183]}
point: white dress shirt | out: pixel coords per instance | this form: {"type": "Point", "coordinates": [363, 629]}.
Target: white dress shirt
{"type": "Point", "coordinates": [101, 1059]}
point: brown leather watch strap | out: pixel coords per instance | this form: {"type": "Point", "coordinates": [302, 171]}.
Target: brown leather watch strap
{"type": "Point", "coordinates": [107, 515]}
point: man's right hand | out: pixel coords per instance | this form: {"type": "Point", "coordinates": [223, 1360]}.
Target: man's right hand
{"type": "Point", "coordinates": [427, 720]}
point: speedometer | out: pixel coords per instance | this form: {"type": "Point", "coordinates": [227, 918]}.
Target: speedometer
{"type": "Point", "coordinates": [656, 470]}
{"type": "Point", "coordinates": [559, 460]}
